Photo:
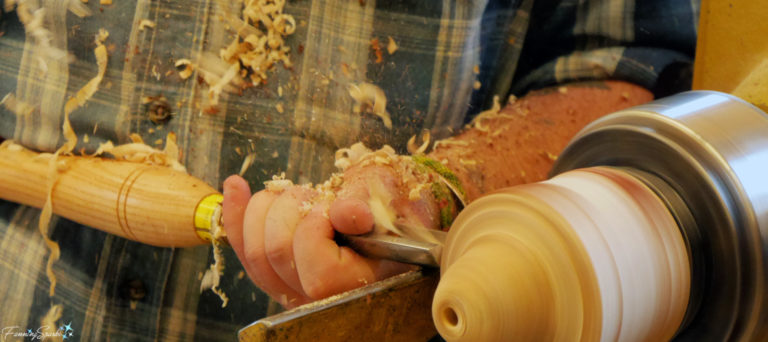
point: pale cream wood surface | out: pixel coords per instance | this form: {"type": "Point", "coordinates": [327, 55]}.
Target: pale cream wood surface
{"type": "Point", "coordinates": [591, 255]}
{"type": "Point", "coordinates": [150, 204]}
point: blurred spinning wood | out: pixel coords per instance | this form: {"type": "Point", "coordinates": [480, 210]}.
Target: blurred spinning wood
{"type": "Point", "coordinates": [590, 255]}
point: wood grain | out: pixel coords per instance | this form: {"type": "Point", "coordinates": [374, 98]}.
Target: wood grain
{"type": "Point", "coordinates": [150, 204]}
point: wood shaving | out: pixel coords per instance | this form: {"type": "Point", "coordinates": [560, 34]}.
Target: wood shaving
{"type": "Point", "coordinates": [384, 216]}
{"type": "Point", "coordinates": [15, 106]}
{"type": "Point", "coordinates": [477, 85]}
{"type": "Point", "coordinates": [415, 193]}
{"type": "Point", "coordinates": [185, 67]}
{"type": "Point", "coordinates": [146, 23]}
{"type": "Point", "coordinates": [136, 138]}
{"type": "Point", "coordinates": [346, 157]}
{"type": "Point", "coordinates": [370, 98]}
{"type": "Point", "coordinates": [376, 47]}
{"type": "Point", "coordinates": [257, 47]}
{"type": "Point", "coordinates": [380, 204]}
{"type": "Point", "coordinates": [212, 276]}
{"type": "Point", "coordinates": [90, 88]}
{"type": "Point", "coordinates": [47, 210]}
{"type": "Point", "coordinates": [48, 324]}
{"type": "Point", "coordinates": [305, 208]}
{"type": "Point", "coordinates": [391, 46]}
{"type": "Point", "coordinates": [33, 20]}
{"type": "Point", "coordinates": [425, 140]}
{"type": "Point", "coordinates": [551, 156]}
{"type": "Point", "coordinates": [278, 183]}
{"type": "Point", "coordinates": [450, 141]}
{"type": "Point", "coordinates": [493, 112]}
{"type": "Point", "coordinates": [215, 90]}
{"type": "Point", "coordinates": [279, 108]}
{"type": "Point", "coordinates": [139, 152]}
{"type": "Point", "coordinates": [247, 162]}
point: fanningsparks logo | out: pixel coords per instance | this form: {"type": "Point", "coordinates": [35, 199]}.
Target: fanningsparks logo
{"type": "Point", "coordinates": [64, 331]}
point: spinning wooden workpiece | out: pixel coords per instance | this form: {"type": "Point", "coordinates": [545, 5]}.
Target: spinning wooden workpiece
{"type": "Point", "coordinates": [660, 232]}
{"type": "Point", "coordinates": [591, 253]}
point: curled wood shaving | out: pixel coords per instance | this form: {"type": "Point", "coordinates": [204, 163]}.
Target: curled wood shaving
{"type": "Point", "coordinates": [493, 112]}
{"type": "Point", "coordinates": [43, 224]}
{"type": "Point", "coordinates": [144, 23]}
{"type": "Point", "coordinates": [186, 66]}
{"type": "Point", "coordinates": [425, 140]}
{"type": "Point", "coordinates": [346, 157]}
{"type": "Point", "coordinates": [212, 276]}
{"type": "Point", "coordinates": [369, 97]}
{"type": "Point", "coordinates": [90, 88]}
{"type": "Point", "coordinates": [384, 215]}
{"type": "Point", "coordinates": [139, 152]}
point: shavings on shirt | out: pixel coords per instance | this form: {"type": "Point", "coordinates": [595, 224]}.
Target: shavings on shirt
{"type": "Point", "coordinates": [259, 45]}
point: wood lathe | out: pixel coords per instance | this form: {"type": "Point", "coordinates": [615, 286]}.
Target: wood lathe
{"type": "Point", "coordinates": [654, 226]}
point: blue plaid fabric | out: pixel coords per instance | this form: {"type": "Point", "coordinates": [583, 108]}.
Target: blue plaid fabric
{"type": "Point", "coordinates": [118, 290]}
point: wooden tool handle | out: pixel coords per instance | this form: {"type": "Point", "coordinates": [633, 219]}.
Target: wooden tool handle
{"type": "Point", "coordinates": [150, 204]}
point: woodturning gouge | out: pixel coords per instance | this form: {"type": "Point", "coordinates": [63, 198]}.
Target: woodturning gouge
{"type": "Point", "coordinates": [151, 204]}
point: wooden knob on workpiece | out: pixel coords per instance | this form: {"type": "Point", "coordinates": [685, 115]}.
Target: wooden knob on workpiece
{"type": "Point", "coordinates": [150, 204]}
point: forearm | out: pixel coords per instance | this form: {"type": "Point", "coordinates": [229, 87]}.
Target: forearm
{"type": "Point", "coordinates": [521, 144]}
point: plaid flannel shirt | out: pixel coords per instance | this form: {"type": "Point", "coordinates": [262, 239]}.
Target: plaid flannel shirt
{"type": "Point", "coordinates": [114, 289]}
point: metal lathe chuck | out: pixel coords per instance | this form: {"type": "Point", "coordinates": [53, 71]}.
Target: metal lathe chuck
{"type": "Point", "coordinates": [704, 155]}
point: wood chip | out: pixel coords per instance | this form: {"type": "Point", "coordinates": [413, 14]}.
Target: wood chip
{"type": "Point", "coordinates": [391, 46]}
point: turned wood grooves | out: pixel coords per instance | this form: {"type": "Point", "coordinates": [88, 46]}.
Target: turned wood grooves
{"type": "Point", "coordinates": [150, 204]}
{"type": "Point", "coordinates": [590, 255]}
